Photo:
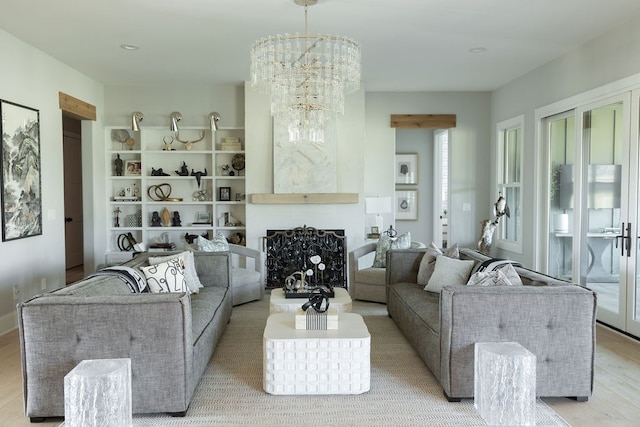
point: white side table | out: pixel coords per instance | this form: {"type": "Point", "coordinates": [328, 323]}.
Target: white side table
{"type": "Point", "coordinates": [505, 384]}
{"type": "Point", "coordinates": [279, 304]}
{"type": "Point", "coordinates": [300, 361]}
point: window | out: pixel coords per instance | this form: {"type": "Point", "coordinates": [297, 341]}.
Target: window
{"type": "Point", "coordinates": [509, 234]}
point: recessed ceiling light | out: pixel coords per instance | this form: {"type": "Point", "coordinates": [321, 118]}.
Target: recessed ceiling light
{"type": "Point", "coordinates": [478, 49]}
{"type": "Point", "coordinates": [129, 46]}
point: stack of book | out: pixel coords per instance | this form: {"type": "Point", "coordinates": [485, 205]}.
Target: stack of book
{"type": "Point", "coordinates": [231, 143]}
{"type": "Point", "coordinates": [160, 247]}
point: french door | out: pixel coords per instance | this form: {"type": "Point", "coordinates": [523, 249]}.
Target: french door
{"type": "Point", "coordinates": [593, 204]}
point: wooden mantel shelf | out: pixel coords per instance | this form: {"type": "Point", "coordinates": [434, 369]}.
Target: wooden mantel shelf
{"type": "Point", "coordinates": [304, 198]}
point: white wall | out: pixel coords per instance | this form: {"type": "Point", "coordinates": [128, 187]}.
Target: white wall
{"type": "Point", "coordinates": [600, 62]}
{"type": "Point", "coordinates": [350, 147]}
{"type": "Point", "coordinates": [31, 78]}
{"type": "Point", "coordinates": [469, 149]}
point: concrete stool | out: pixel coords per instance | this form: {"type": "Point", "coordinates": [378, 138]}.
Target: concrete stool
{"type": "Point", "coordinates": [505, 384]}
{"type": "Point", "coordinates": [98, 393]}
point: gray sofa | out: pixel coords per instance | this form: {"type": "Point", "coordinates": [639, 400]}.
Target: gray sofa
{"type": "Point", "coordinates": [169, 337]}
{"type": "Point", "coordinates": [553, 319]}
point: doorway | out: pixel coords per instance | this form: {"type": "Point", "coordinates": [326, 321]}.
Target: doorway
{"type": "Point", "coordinates": [593, 211]}
{"type": "Point", "coordinates": [73, 211]}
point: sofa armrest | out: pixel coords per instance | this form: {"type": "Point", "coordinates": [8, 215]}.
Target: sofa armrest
{"type": "Point", "coordinates": [59, 331]}
{"type": "Point", "coordinates": [258, 257]}
{"type": "Point", "coordinates": [556, 323]}
{"type": "Point", "coordinates": [403, 265]}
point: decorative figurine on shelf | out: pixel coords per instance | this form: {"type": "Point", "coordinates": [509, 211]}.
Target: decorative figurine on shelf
{"type": "Point", "coordinates": [168, 140]}
{"type": "Point", "coordinates": [166, 217]}
{"type": "Point", "coordinates": [175, 222]}
{"type": "Point", "coordinates": [224, 170]}
{"type": "Point", "coordinates": [117, 211]}
{"type": "Point", "coordinates": [189, 144]}
{"type": "Point", "coordinates": [184, 170]}
{"type": "Point", "coordinates": [118, 165]}
{"type": "Point", "coordinates": [120, 135]}
{"type": "Point", "coordinates": [199, 175]}
{"type": "Point", "coordinates": [158, 172]}
{"type": "Point", "coordinates": [237, 162]}
{"type": "Point", "coordinates": [200, 196]}
{"type": "Point", "coordinates": [155, 219]}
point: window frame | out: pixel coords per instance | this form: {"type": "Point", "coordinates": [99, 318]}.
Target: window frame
{"type": "Point", "coordinates": [503, 184]}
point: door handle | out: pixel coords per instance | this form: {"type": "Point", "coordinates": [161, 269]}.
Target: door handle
{"type": "Point", "coordinates": [67, 219]}
{"type": "Point", "coordinates": [628, 241]}
{"type": "Point", "coordinates": [621, 236]}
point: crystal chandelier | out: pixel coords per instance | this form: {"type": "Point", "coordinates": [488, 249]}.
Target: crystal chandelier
{"type": "Point", "coordinates": [307, 77]}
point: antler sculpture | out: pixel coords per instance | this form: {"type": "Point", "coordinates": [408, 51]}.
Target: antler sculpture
{"type": "Point", "coordinates": [189, 144]}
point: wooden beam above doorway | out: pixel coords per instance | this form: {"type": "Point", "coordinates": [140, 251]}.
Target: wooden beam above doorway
{"type": "Point", "coordinates": [423, 121]}
{"type": "Point", "coordinates": [76, 108]}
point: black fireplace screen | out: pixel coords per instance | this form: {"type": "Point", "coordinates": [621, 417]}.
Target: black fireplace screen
{"type": "Point", "coordinates": [290, 251]}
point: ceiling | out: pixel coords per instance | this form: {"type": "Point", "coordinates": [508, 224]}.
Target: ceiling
{"type": "Point", "coordinates": [407, 45]}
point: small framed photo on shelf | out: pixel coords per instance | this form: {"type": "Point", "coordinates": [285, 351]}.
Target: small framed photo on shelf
{"type": "Point", "coordinates": [133, 167]}
{"type": "Point", "coordinates": [406, 168]}
{"type": "Point", "coordinates": [203, 218]}
{"type": "Point", "coordinates": [407, 205]}
{"type": "Point", "coordinates": [224, 194]}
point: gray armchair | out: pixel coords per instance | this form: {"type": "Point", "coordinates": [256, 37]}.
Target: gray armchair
{"type": "Point", "coordinates": [365, 282]}
{"type": "Point", "coordinates": [247, 274]}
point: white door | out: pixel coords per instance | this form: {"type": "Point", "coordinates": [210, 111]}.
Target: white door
{"type": "Point", "coordinates": [440, 187]}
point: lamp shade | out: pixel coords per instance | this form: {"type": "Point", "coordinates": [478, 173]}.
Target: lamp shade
{"type": "Point", "coordinates": [376, 205]}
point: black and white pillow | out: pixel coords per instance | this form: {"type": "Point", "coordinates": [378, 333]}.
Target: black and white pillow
{"type": "Point", "coordinates": [167, 276]}
{"type": "Point", "coordinates": [190, 273]}
{"type": "Point", "coordinates": [505, 275]}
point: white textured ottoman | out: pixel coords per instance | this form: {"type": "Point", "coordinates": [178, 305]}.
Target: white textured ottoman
{"type": "Point", "coordinates": [300, 361]}
{"type": "Point", "coordinates": [279, 304]}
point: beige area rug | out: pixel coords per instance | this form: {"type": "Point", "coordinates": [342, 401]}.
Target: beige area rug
{"type": "Point", "coordinates": [403, 391]}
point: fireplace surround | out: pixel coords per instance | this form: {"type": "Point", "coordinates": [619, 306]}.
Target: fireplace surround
{"type": "Point", "coordinates": [289, 251]}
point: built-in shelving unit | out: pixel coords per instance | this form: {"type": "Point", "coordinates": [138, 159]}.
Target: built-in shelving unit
{"type": "Point", "coordinates": [137, 193]}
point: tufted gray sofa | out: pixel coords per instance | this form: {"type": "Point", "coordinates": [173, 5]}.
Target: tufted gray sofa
{"type": "Point", "coordinates": [169, 337]}
{"type": "Point", "coordinates": [553, 319]}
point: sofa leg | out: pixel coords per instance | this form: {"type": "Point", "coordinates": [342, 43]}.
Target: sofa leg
{"type": "Point", "coordinates": [581, 398]}
{"type": "Point", "coordinates": [178, 414]}
{"type": "Point", "coordinates": [451, 399]}
{"type": "Point", "coordinates": [37, 419]}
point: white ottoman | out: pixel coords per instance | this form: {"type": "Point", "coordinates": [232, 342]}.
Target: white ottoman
{"type": "Point", "coordinates": [300, 361]}
{"type": "Point", "coordinates": [279, 304]}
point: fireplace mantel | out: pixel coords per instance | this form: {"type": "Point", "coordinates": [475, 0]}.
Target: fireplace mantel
{"type": "Point", "coordinates": [304, 198]}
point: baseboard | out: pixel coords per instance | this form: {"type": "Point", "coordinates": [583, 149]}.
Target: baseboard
{"type": "Point", "coordinates": [8, 323]}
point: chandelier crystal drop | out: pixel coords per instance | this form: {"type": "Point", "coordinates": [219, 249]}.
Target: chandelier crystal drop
{"type": "Point", "coordinates": [307, 77]}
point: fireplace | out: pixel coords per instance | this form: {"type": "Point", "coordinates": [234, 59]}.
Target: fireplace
{"type": "Point", "coordinates": [289, 251]}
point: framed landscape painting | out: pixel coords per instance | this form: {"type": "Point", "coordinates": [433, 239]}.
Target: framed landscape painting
{"type": "Point", "coordinates": [21, 182]}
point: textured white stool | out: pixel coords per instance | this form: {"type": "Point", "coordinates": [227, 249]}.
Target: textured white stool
{"type": "Point", "coordinates": [505, 384]}
{"type": "Point", "coordinates": [98, 393]}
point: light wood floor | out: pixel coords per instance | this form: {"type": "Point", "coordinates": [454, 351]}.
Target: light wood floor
{"type": "Point", "coordinates": [615, 401]}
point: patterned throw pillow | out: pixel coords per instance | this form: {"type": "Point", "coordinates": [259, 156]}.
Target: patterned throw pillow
{"type": "Point", "coordinates": [428, 262]}
{"type": "Point", "coordinates": [503, 276]}
{"type": "Point", "coordinates": [449, 271]}
{"type": "Point", "coordinates": [167, 276]}
{"type": "Point", "coordinates": [218, 244]}
{"type": "Point", "coordinates": [190, 273]}
{"type": "Point", "coordinates": [385, 243]}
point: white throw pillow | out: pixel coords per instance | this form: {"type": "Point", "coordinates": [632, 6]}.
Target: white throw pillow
{"type": "Point", "coordinates": [167, 276]}
{"type": "Point", "coordinates": [504, 276]}
{"type": "Point", "coordinates": [449, 271]}
{"type": "Point", "coordinates": [190, 273]}
{"type": "Point", "coordinates": [428, 262]}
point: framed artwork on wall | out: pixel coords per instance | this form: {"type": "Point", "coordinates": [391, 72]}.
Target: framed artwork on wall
{"type": "Point", "coordinates": [406, 168]}
{"type": "Point", "coordinates": [21, 169]}
{"type": "Point", "coordinates": [406, 205]}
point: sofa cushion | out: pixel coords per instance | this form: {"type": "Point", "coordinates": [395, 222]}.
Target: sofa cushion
{"type": "Point", "coordinates": [243, 277]}
{"type": "Point", "coordinates": [449, 271]}
{"type": "Point", "coordinates": [425, 305]}
{"type": "Point", "coordinates": [204, 306]}
{"type": "Point", "coordinates": [167, 276]}
{"type": "Point", "coordinates": [190, 274]}
{"type": "Point", "coordinates": [217, 244]}
{"type": "Point", "coordinates": [371, 276]}
{"type": "Point", "coordinates": [428, 262]}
